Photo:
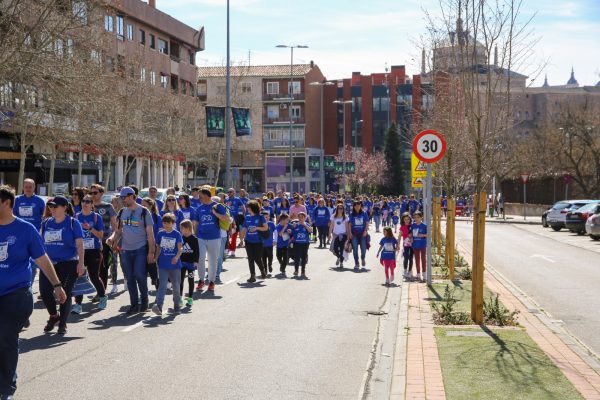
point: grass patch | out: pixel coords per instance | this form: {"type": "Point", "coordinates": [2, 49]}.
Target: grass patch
{"type": "Point", "coordinates": [462, 293]}
{"type": "Point", "coordinates": [506, 364]}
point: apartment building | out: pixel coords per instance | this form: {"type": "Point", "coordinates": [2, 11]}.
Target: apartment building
{"type": "Point", "coordinates": [264, 159]}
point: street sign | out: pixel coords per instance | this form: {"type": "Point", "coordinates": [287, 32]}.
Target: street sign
{"type": "Point", "coordinates": [418, 168]}
{"type": "Point", "coordinates": [339, 167]}
{"type": "Point", "coordinates": [429, 146]}
{"type": "Point", "coordinates": [524, 177]}
{"type": "Point", "coordinates": [314, 163]}
{"type": "Point", "coordinates": [417, 183]}
{"type": "Point", "coordinates": [567, 177]}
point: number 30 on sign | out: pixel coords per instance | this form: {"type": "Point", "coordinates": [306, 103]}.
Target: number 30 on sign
{"type": "Point", "coordinates": [429, 146]}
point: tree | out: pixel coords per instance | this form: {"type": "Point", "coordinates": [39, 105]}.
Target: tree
{"type": "Point", "coordinates": [393, 157]}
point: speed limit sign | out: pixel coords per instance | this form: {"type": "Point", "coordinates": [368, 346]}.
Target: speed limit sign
{"type": "Point", "coordinates": [429, 146]}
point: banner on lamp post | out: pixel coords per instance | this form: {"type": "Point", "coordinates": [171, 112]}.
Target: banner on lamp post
{"type": "Point", "coordinates": [215, 121]}
{"type": "Point", "coordinates": [339, 168]}
{"type": "Point", "coordinates": [314, 163]}
{"type": "Point", "coordinates": [241, 121]}
{"type": "Point", "coordinates": [329, 163]}
{"type": "Point", "coordinates": [350, 168]}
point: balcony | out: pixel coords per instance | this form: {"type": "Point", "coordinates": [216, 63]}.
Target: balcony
{"type": "Point", "coordinates": [282, 120]}
{"type": "Point", "coordinates": [276, 96]}
{"type": "Point", "coordinates": [282, 144]}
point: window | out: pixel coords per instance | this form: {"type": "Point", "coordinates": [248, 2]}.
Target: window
{"type": "Point", "coordinates": [152, 78]}
{"type": "Point", "coordinates": [95, 56]}
{"type": "Point", "coordinates": [385, 104]}
{"type": "Point", "coordinates": [296, 111]}
{"type": "Point", "coordinates": [184, 86]}
{"type": "Point", "coordinates": [191, 90]}
{"type": "Point", "coordinates": [376, 103]}
{"type": "Point", "coordinates": [272, 87]}
{"type": "Point", "coordinates": [246, 87]}
{"type": "Point", "coordinates": [152, 42]}
{"type": "Point", "coordinates": [202, 89]}
{"type": "Point", "coordinates": [143, 74]}
{"type": "Point", "coordinates": [163, 46]}
{"type": "Point", "coordinates": [296, 87]}
{"type": "Point", "coordinates": [70, 47]}
{"type": "Point", "coordinates": [80, 11]}
{"type": "Point", "coordinates": [108, 23]}
{"type": "Point", "coordinates": [129, 32]}
{"type": "Point", "coordinates": [120, 27]}
{"type": "Point", "coordinates": [191, 57]}
{"type": "Point", "coordinates": [164, 80]}
{"type": "Point", "coordinates": [142, 37]}
{"type": "Point", "coordinates": [220, 90]}
{"type": "Point", "coordinates": [356, 104]}
{"type": "Point", "coordinates": [273, 111]}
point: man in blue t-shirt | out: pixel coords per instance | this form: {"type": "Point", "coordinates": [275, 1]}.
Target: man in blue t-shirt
{"type": "Point", "coordinates": [19, 243]}
{"type": "Point", "coordinates": [209, 236]}
{"type": "Point", "coordinates": [29, 206]}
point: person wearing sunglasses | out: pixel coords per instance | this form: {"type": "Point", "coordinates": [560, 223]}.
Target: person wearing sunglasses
{"type": "Point", "coordinates": [109, 222]}
{"type": "Point", "coordinates": [172, 207]}
{"type": "Point", "coordinates": [93, 233]}
{"type": "Point", "coordinates": [358, 228]}
{"type": "Point", "coordinates": [338, 233]}
{"type": "Point", "coordinates": [76, 197]}
{"type": "Point", "coordinates": [135, 237]}
{"type": "Point", "coordinates": [63, 241]}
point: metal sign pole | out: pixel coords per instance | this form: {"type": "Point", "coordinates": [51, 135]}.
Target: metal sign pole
{"type": "Point", "coordinates": [427, 206]}
{"type": "Point", "coordinates": [525, 200]}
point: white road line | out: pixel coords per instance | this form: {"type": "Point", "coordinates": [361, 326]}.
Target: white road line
{"type": "Point", "coordinates": [138, 324]}
{"type": "Point", "coordinates": [545, 258]}
{"type": "Point", "coordinates": [232, 281]}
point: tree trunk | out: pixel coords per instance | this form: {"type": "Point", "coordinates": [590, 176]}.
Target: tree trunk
{"type": "Point", "coordinates": [107, 170]}
{"type": "Point", "coordinates": [24, 148]}
{"type": "Point", "coordinates": [218, 169]}
{"type": "Point", "coordinates": [79, 167]}
{"type": "Point", "coordinates": [52, 168]}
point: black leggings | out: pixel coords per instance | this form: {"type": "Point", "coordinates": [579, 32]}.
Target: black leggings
{"type": "Point", "coordinates": [109, 262]}
{"type": "Point", "coordinates": [152, 270]}
{"type": "Point", "coordinates": [282, 257]}
{"type": "Point", "coordinates": [323, 230]}
{"type": "Point", "coordinates": [67, 274]}
{"type": "Point", "coordinates": [92, 259]}
{"type": "Point", "coordinates": [408, 258]}
{"type": "Point", "coordinates": [300, 255]}
{"type": "Point", "coordinates": [254, 252]}
{"type": "Point", "coordinates": [267, 256]}
{"type": "Point", "coordinates": [190, 278]}
{"type": "Point", "coordinates": [338, 246]}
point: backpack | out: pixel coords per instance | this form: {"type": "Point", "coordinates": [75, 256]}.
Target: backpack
{"type": "Point", "coordinates": [143, 216]}
{"type": "Point", "coordinates": [225, 225]}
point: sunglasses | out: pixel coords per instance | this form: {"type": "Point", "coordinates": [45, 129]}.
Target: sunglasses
{"type": "Point", "coordinates": [74, 194]}
{"type": "Point", "coordinates": [86, 201]}
{"type": "Point", "coordinates": [124, 197]}
{"type": "Point", "coordinates": [170, 199]}
{"type": "Point", "coordinates": [52, 206]}
{"type": "Point", "coordinates": [94, 193]}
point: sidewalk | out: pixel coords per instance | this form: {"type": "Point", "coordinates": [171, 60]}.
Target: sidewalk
{"type": "Point", "coordinates": [510, 219]}
{"type": "Point", "coordinates": [417, 372]}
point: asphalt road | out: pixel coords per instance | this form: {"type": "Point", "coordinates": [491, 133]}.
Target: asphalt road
{"type": "Point", "coordinates": [558, 270]}
{"type": "Point", "coordinates": [277, 339]}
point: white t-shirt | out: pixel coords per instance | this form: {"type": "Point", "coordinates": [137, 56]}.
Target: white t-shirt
{"type": "Point", "coordinates": [339, 225]}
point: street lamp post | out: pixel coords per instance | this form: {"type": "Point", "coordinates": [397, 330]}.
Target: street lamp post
{"type": "Point", "coordinates": [291, 98]}
{"type": "Point", "coordinates": [343, 103]}
{"type": "Point", "coordinates": [322, 160]}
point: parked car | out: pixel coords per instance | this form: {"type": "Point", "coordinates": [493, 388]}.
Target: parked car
{"type": "Point", "coordinates": [556, 217]}
{"type": "Point", "coordinates": [575, 220]}
{"type": "Point", "coordinates": [592, 226]}
{"type": "Point", "coordinates": [545, 218]}
{"type": "Point", "coordinates": [108, 196]}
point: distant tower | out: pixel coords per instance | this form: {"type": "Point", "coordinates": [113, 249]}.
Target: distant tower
{"type": "Point", "coordinates": [572, 81]}
{"type": "Point", "coordinates": [546, 81]}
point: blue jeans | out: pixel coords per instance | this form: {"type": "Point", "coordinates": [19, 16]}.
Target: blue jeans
{"type": "Point", "coordinates": [220, 257]}
{"type": "Point", "coordinates": [377, 219]}
{"type": "Point", "coordinates": [164, 275]}
{"type": "Point", "coordinates": [15, 309]}
{"type": "Point", "coordinates": [133, 263]}
{"type": "Point", "coordinates": [356, 241]}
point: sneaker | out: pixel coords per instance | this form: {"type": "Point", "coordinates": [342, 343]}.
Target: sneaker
{"type": "Point", "coordinates": [76, 309]}
{"type": "Point", "coordinates": [133, 310]}
{"type": "Point", "coordinates": [143, 308]}
{"type": "Point", "coordinates": [52, 321]}
{"type": "Point", "coordinates": [296, 272]}
{"type": "Point", "coordinates": [211, 287]}
{"type": "Point", "coordinates": [180, 303]}
{"type": "Point", "coordinates": [102, 303]}
{"type": "Point", "coordinates": [364, 263]}
{"type": "Point", "coordinates": [115, 289]}
{"type": "Point", "coordinates": [156, 309]}
{"type": "Point", "coordinates": [200, 286]}
{"type": "Point", "coordinates": [218, 280]}
{"type": "Point", "coordinates": [176, 309]}
{"type": "Point", "coordinates": [252, 279]}
{"type": "Point", "coordinates": [95, 299]}
{"type": "Point", "coordinates": [387, 281]}
{"type": "Point", "coordinates": [169, 286]}
{"type": "Point", "coordinates": [392, 278]}
{"type": "Point", "coordinates": [356, 267]}
{"type": "Point", "coordinates": [337, 262]}
{"type": "Point", "coordinates": [189, 301]}
{"type": "Point", "coordinates": [62, 329]}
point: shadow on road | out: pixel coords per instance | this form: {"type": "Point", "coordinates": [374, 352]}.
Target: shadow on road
{"type": "Point", "coordinates": [44, 342]}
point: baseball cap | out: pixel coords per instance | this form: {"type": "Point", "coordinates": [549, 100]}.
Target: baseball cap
{"type": "Point", "coordinates": [126, 191]}
{"type": "Point", "coordinates": [59, 201]}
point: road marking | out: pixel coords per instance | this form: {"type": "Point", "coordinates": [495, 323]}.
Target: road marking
{"type": "Point", "coordinates": [545, 258]}
{"type": "Point", "coordinates": [138, 324]}
{"type": "Point", "coordinates": [232, 281]}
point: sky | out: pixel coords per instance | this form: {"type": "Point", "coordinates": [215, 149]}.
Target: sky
{"type": "Point", "coordinates": [351, 35]}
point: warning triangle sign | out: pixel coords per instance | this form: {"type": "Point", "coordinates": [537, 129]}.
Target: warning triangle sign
{"type": "Point", "coordinates": [417, 182]}
{"type": "Point", "coordinates": [421, 166]}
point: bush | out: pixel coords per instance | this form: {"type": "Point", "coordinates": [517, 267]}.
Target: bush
{"type": "Point", "coordinates": [443, 310]}
{"type": "Point", "coordinates": [495, 313]}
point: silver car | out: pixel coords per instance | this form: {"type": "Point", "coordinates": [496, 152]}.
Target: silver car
{"type": "Point", "coordinates": [592, 226]}
{"type": "Point", "coordinates": [557, 215]}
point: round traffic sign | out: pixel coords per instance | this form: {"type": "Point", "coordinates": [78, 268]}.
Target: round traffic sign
{"type": "Point", "coordinates": [429, 146]}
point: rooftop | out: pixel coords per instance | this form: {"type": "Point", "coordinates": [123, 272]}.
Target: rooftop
{"type": "Point", "coordinates": [256, 70]}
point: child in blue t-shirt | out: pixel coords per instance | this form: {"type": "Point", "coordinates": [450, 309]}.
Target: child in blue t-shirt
{"type": "Point", "coordinates": [284, 233]}
{"type": "Point", "coordinates": [267, 253]}
{"type": "Point", "coordinates": [395, 220]}
{"type": "Point", "coordinates": [301, 238]}
{"type": "Point", "coordinates": [388, 247]}
{"type": "Point", "coordinates": [419, 235]}
{"type": "Point", "coordinates": [169, 247]}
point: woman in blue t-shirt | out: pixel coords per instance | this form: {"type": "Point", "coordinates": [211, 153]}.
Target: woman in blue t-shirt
{"type": "Point", "coordinates": [301, 231]}
{"type": "Point", "coordinates": [152, 268]}
{"type": "Point", "coordinates": [172, 207]}
{"type": "Point", "coordinates": [187, 211]}
{"type": "Point", "coordinates": [253, 223]}
{"type": "Point", "coordinates": [358, 228]}
{"type": "Point", "coordinates": [93, 232]}
{"type": "Point", "coordinates": [284, 207]}
{"type": "Point", "coordinates": [311, 204]}
{"type": "Point", "coordinates": [63, 241]}
{"type": "Point", "coordinates": [321, 217]}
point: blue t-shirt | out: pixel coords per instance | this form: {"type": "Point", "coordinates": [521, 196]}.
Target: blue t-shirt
{"type": "Point", "coordinates": [322, 216]}
{"type": "Point", "coordinates": [195, 203]}
{"type": "Point", "coordinates": [168, 242]}
{"type": "Point", "coordinates": [367, 206]}
{"type": "Point", "coordinates": [358, 222]}
{"type": "Point", "coordinates": [284, 210]}
{"type": "Point", "coordinates": [189, 213]}
{"type": "Point", "coordinates": [277, 204]}
{"type": "Point", "coordinates": [19, 242]}
{"type": "Point", "coordinates": [59, 239]}
{"type": "Point", "coordinates": [270, 210]}
{"type": "Point", "coordinates": [159, 204]}
{"type": "Point", "coordinates": [91, 242]}
{"type": "Point", "coordinates": [268, 242]}
{"type": "Point", "coordinates": [421, 242]}
{"type": "Point", "coordinates": [283, 239]}
{"type": "Point", "coordinates": [300, 233]}
{"type": "Point", "coordinates": [236, 205]}
{"type": "Point", "coordinates": [389, 248]}
{"type": "Point", "coordinates": [395, 219]}
{"type": "Point", "coordinates": [376, 209]}
{"type": "Point", "coordinates": [30, 209]}
{"type": "Point", "coordinates": [348, 204]}
{"type": "Point", "coordinates": [76, 208]}
{"type": "Point", "coordinates": [310, 212]}
{"type": "Point", "coordinates": [413, 206]}
{"type": "Point", "coordinates": [208, 227]}
{"type": "Point", "coordinates": [156, 224]}
{"type": "Point", "coordinates": [250, 222]}
{"type": "Point", "coordinates": [178, 217]}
